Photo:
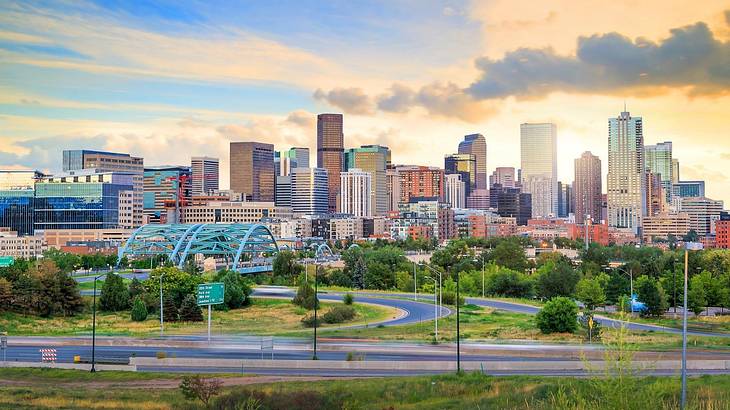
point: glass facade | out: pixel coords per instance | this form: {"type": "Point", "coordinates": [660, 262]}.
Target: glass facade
{"type": "Point", "coordinates": [16, 210]}
{"type": "Point", "coordinates": [78, 205]}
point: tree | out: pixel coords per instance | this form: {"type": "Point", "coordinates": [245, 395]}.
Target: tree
{"type": "Point", "coordinates": [169, 311]}
{"type": "Point", "coordinates": [135, 288]}
{"type": "Point", "coordinates": [237, 291]}
{"type": "Point", "coordinates": [696, 297]}
{"type": "Point", "coordinates": [355, 266]}
{"type": "Point", "coordinates": [190, 311]}
{"type": "Point", "coordinates": [6, 294]}
{"type": "Point", "coordinates": [618, 285]}
{"type": "Point", "coordinates": [139, 310]}
{"type": "Point", "coordinates": [54, 291]}
{"type": "Point", "coordinates": [650, 292]}
{"type": "Point", "coordinates": [559, 315]}
{"type": "Point", "coordinates": [305, 297]}
{"type": "Point", "coordinates": [196, 387]}
{"type": "Point", "coordinates": [175, 283]}
{"type": "Point", "coordinates": [348, 299]}
{"type": "Point", "coordinates": [114, 294]}
{"type": "Point", "coordinates": [509, 283]}
{"type": "Point", "coordinates": [510, 254]}
{"type": "Point", "coordinates": [556, 280]}
{"type": "Point", "coordinates": [590, 292]}
{"type": "Point", "coordinates": [285, 265]}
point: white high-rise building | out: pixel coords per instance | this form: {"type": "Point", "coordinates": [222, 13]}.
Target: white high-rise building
{"type": "Point", "coordinates": [355, 192]}
{"type": "Point", "coordinates": [539, 152]}
{"type": "Point", "coordinates": [309, 191]}
{"type": "Point", "coordinates": [626, 172]}
{"type": "Point", "coordinates": [204, 175]}
{"type": "Point", "coordinates": [392, 183]}
{"type": "Point", "coordinates": [455, 191]}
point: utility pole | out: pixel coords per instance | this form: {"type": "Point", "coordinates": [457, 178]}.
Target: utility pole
{"type": "Point", "coordinates": [316, 302]}
{"type": "Point", "coordinates": [687, 247]}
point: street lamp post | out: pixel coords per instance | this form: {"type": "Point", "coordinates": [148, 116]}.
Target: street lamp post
{"type": "Point", "coordinates": [415, 284]}
{"type": "Point", "coordinates": [435, 310]}
{"type": "Point", "coordinates": [689, 246]}
{"type": "Point", "coordinates": [162, 320]}
{"type": "Point", "coordinates": [439, 288]}
{"type": "Point", "coordinates": [93, 328]}
{"type": "Point", "coordinates": [316, 302]}
{"type": "Point", "coordinates": [458, 330]}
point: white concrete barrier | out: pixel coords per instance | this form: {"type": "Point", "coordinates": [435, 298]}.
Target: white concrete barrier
{"type": "Point", "coordinates": [71, 366]}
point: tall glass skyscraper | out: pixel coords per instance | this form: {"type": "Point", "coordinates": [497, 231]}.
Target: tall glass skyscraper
{"type": "Point", "coordinates": [252, 170]}
{"type": "Point", "coordinates": [464, 165]}
{"type": "Point", "coordinates": [626, 172]}
{"type": "Point", "coordinates": [659, 161]}
{"type": "Point", "coordinates": [476, 145]}
{"type": "Point", "coordinates": [17, 190]}
{"type": "Point", "coordinates": [539, 161]}
{"type": "Point", "coordinates": [84, 200]}
{"type": "Point", "coordinates": [309, 195]}
{"type": "Point", "coordinates": [295, 157]}
{"type": "Point", "coordinates": [165, 187]}
{"type": "Point", "coordinates": [204, 174]}
{"type": "Point", "coordinates": [330, 149]}
{"type": "Point", "coordinates": [588, 188]}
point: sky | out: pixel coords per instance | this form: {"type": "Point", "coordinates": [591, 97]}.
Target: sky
{"type": "Point", "coordinates": [167, 79]}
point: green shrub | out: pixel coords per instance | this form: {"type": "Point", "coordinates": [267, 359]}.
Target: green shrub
{"type": "Point", "coordinates": [139, 310]}
{"type": "Point", "coordinates": [169, 309]}
{"type": "Point", "coordinates": [114, 294]}
{"type": "Point", "coordinates": [449, 298]}
{"type": "Point", "coordinates": [308, 321]}
{"type": "Point", "coordinates": [559, 315]}
{"type": "Point", "coordinates": [305, 297]}
{"type": "Point", "coordinates": [190, 311]}
{"type": "Point", "coordinates": [348, 299]}
{"type": "Point", "coordinates": [339, 314]}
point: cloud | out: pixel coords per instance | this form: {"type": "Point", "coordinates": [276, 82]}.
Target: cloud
{"type": "Point", "coordinates": [449, 100]}
{"type": "Point", "coordinates": [611, 63]}
{"type": "Point", "coordinates": [399, 98]}
{"type": "Point", "coordinates": [303, 119]}
{"type": "Point", "coordinates": [727, 17]}
{"type": "Point", "coordinates": [350, 100]}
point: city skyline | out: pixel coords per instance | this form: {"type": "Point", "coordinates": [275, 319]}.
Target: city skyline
{"type": "Point", "coordinates": [65, 91]}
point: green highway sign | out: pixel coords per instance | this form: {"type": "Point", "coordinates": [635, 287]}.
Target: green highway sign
{"type": "Point", "coordinates": [210, 294]}
{"type": "Point", "coordinates": [6, 261]}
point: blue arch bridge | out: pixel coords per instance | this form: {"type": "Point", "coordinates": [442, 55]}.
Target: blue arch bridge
{"type": "Point", "coordinates": [246, 248]}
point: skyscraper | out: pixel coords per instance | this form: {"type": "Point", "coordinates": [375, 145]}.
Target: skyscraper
{"type": "Point", "coordinates": [455, 191]}
{"type": "Point", "coordinates": [309, 195]}
{"type": "Point", "coordinates": [204, 174]}
{"type": "Point", "coordinates": [626, 172]}
{"type": "Point", "coordinates": [466, 166]}
{"type": "Point", "coordinates": [659, 161]}
{"type": "Point", "coordinates": [476, 145]}
{"type": "Point", "coordinates": [373, 159]}
{"type": "Point", "coordinates": [655, 197]}
{"type": "Point", "coordinates": [587, 188]}
{"type": "Point", "coordinates": [505, 176]}
{"type": "Point", "coordinates": [355, 192]}
{"type": "Point", "coordinates": [330, 149]}
{"type": "Point", "coordinates": [166, 188]}
{"type": "Point", "coordinates": [392, 183]}
{"type": "Point", "coordinates": [566, 200]}
{"type": "Point", "coordinates": [295, 157]}
{"type": "Point", "coordinates": [252, 170]}
{"type": "Point", "coordinates": [510, 202]}
{"type": "Point", "coordinates": [538, 145]}
{"type": "Point", "coordinates": [420, 182]}
{"type": "Point", "coordinates": [101, 161]}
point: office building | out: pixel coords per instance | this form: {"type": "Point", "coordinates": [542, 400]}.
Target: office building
{"type": "Point", "coordinates": [689, 189]}
{"type": "Point", "coordinates": [665, 225]}
{"type": "Point", "coordinates": [466, 166]}
{"type": "Point", "coordinates": [18, 246]}
{"type": "Point", "coordinates": [420, 182]}
{"type": "Point", "coordinates": [282, 195]}
{"type": "Point", "coordinates": [392, 184]}
{"type": "Point", "coordinates": [166, 190]}
{"type": "Point", "coordinates": [355, 192]}
{"type": "Point", "coordinates": [330, 150]}
{"type": "Point", "coordinates": [455, 191]}
{"type": "Point", "coordinates": [655, 199]}
{"type": "Point", "coordinates": [702, 212]}
{"type": "Point", "coordinates": [84, 200]}
{"type": "Point", "coordinates": [295, 157]}
{"type": "Point", "coordinates": [504, 176]}
{"type": "Point", "coordinates": [232, 212]}
{"type": "Point", "coordinates": [675, 171]}
{"type": "Point", "coordinates": [626, 172]}
{"type": "Point", "coordinates": [373, 159]}
{"type": "Point", "coordinates": [587, 188]}
{"type": "Point", "coordinates": [204, 174]}
{"type": "Point", "coordinates": [659, 162]}
{"type": "Point", "coordinates": [566, 200]}
{"type": "Point", "coordinates": [722, 231]}
{"type": "Point", "coordinates": [17, 190]}
{"type": "Point", "coordinates": [539, 165]}
{"type": "Point", "coordinates": [478, 199]}
{"type": "Point", "coordinates": [252, 170]}
{"type": "Point", "coordinates": [76, 160]}
{"type": "Point", "coordinates": [510, 202]}
{"type": "Point", "coordinates": [476, 144]}
{"type": "Point", "coordinates": [309, 191]}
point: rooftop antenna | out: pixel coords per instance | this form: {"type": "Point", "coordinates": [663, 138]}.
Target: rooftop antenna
{"type": "Point", "coordinates": [624, 105]}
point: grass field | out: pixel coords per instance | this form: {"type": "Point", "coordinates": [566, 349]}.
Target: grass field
{"type": "Point", "coordinates": [469, 391]}
{"type": "Point", "coordinates": [263, 317]}
{"type": "Point", "coordinates": [485, 324]}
